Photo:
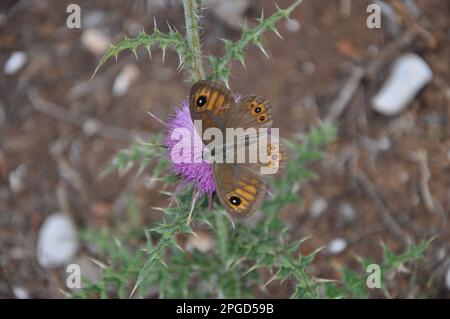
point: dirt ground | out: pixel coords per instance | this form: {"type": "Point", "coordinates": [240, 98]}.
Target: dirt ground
{"type": "Point", "coordinates": [386, 177]}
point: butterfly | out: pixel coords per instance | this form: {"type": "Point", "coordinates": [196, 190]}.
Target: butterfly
{"type": "Point", "coordinates": [240, 186]}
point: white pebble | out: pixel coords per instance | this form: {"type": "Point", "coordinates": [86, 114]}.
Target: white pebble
{"type": "Point", "coordinates": [17, 177]}
{"type": "Point", "coordinates": [57, 241]}
{"type": "Point", "coordinates": [95, 41]}
{"type": "Point", "coordinates": [337, 246]}
{"type": "Point", "coordinates": [90, 127]}
{"type": "Point", "coordinates": [21, 293]}
{"type": "Point", "coordinates": [292, 25]}
{"type": "Point", "coordinates": [408, 76]}
{"type": "Point", "coordinates": [318, 207]}
{"type": "Point", "coordinates": [347, 212]}
{"type": "Point", "coordinates": [15, 62]}
{"type": "Point", "coordinates": [125, 79]}
{"type": "Point", "coordinates": [384, 143]}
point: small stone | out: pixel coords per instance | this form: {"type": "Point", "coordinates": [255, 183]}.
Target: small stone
{"type": "Point", "coordinates": [17, 177]}
{"type": "Point", "coordinates": [408, 76]}
{"type": "Point", "coordinates": [292, 25]}
{"type": "Point", "coordinates": [337, 246]}
{"type": "Point", "coordinates": [90, 127]}
{"type": "Point", "coordinates": [15, 62]}
{"type": "Point", "coordinates": [384, 143]}
{"type": "Point", "coordinates": [57, 241]}
{"type": "Point", "coordinates": [21, 293]}
{"type": "Point", "coordinates": [95, 41]}
{"type": "Point", "coordinates": [318, 207]}
{"type": "Point", "coordinates": [125, 79]}
{"type": "Point", "coordinates": [347, 212]}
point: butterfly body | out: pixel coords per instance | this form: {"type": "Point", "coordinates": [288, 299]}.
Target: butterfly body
{"type": "Point", "coordinates": [240, 185]}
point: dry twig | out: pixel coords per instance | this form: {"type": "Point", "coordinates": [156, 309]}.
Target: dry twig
{"type": "Point", "coordinates": [381, 208]}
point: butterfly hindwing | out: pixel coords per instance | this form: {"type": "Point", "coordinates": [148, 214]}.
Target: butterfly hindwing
{"type": "Point", "coordinates": [240, 191]}
{"type": "Point", "coordinates": [274, 161]}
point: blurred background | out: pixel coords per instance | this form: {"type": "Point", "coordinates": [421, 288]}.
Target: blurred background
{"type": "Point", "coordinates": [387, 176]}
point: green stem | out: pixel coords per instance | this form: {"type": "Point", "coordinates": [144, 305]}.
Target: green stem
{"type": "Point", "coordinates": [191, 10]}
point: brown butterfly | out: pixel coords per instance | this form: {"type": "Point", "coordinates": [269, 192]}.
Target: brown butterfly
{"type": "Point", "coordinates": [240, 186]}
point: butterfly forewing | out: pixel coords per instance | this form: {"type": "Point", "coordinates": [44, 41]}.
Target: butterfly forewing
{"type": "Point", "coordinates": [210, 102]}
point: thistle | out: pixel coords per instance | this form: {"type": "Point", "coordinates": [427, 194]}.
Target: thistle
{"type": "Point", "coordinates": [244, 257]}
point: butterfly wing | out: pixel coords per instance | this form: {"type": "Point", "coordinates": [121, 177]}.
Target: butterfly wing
{"type": "Point", "coordinates": [274, 163]}
{"type": "Point", "coordinates": [256, 112]}
{"type": "Point", "coordinates": [240, 191]}
{"type": "Point", "coordinates": [210, 102]}
{"type": "Point", "coordinates": [250, 111]}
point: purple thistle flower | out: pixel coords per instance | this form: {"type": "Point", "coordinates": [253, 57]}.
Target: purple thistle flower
{"type": "Point", "coordinates": [201, 174]}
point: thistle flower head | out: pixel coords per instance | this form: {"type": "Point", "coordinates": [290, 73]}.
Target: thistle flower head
{"type": "Point", "coordinates": [198, 172]}
{"type": "Point", "coordinates": [191, 166]}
